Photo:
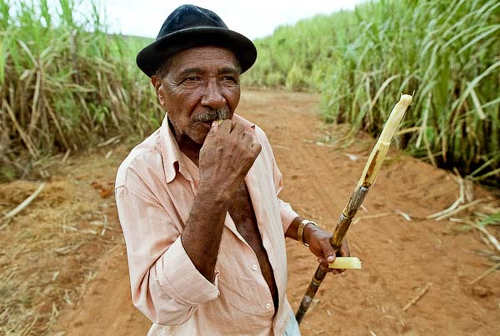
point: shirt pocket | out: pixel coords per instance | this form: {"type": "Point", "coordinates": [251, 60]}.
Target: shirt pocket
{"type": "Point", "coordinates": [245, 295]}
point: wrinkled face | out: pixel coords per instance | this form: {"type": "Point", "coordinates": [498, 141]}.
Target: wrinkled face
{"type": "Point", "coordinates": [199, 84]}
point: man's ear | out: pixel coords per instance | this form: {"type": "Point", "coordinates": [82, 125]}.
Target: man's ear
{"type": "Point", "coordinates": [157, 84]}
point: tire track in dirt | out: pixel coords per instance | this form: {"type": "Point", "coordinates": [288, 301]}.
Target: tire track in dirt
{"type": "Point", "coordinates": [399, 257]}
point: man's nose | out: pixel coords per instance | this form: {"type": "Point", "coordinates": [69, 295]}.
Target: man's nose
{"type": "Point", "coordinates": [213, 96]}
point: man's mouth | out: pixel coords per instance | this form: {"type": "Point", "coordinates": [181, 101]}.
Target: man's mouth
{"type": "Point", "coordinates": [213, 115]}
{"type": "Point", "coordinates": [207, 118]}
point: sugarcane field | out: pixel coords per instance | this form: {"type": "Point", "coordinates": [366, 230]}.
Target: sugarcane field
{"type": "Point", "coordinates": [347, 183]}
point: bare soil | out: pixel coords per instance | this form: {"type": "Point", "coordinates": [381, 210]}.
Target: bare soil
{"type": "Point", "coordinates": [400, 257]}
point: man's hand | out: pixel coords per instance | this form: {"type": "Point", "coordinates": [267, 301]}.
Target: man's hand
{"type": "Point", "coordinates": [319, 244]}
{"type": "Point", "coordinates": [228, 152]}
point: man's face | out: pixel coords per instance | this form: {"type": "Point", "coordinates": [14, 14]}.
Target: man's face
{"type": "Point", "coordinates": [199, 83]}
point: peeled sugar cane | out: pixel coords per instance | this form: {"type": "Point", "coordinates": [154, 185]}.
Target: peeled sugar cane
{"type": "Point", "coordinates": [380, 149]}
{"type": "Point", "coordinates": [346, 263]}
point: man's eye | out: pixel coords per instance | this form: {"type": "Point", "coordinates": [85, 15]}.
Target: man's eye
{"type": "Point", "coordinates": [191, 79]}
{"type": "Point", "coordinates": [230, 78]}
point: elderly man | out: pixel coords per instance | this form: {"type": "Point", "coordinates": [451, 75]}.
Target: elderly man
{"type": "Point", "coordinates": [197, 200]}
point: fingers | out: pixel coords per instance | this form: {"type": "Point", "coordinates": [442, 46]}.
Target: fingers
{"type": "Point", "coordinates": [225, 126]}
{"type": "Point", "coordinates": [343, 252]}
{"type": "Point", "coordinates": [228, 126]}
{"type": "Point", "coordinates": [247, 136]}
{"type": "Point", "coordinates": [238, 129]}
{"type": "Point", "coordinates": [328, 251]}
{"type": "Point", "coordinates": [344, 249]}
{"type": "Point", "coordinates": [255, 146]}
{"type": "Point", "coordinates": [235, 132]}
{"type": "Point", "coordinates": [327, 255]}
{"type": "Point", "coordinates": [213, 128]}
{"type": "Point", "coordinates": [324, 265]}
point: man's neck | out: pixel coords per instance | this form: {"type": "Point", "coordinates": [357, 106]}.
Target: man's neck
{"type": "Point", "coordinates": [190, 148]}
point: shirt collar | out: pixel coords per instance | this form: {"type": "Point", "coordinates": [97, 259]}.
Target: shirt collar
{"type": "Point", "coordinates": [170, 151]}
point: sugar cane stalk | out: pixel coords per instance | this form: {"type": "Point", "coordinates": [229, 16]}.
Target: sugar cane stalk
{"type": "Point", "coordinates": [370, 171]}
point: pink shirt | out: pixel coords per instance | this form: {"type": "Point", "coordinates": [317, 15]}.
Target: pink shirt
{"type": "Point", "coordinates": [155, 188]}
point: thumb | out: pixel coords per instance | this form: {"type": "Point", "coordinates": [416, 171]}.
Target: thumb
{"type": "Point", "coordinates": [213, 127]}
{"type": "Point", "coordinates": [328, 252]}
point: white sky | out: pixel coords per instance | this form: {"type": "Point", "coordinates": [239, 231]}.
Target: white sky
{"type": "Point", "coordinates": [254, 18]}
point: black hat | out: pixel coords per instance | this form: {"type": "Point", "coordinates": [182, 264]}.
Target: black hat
{"type": "Point", "coordinates": [190, 26]}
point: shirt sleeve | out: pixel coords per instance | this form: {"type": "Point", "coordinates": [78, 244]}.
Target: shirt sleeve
{"type": "Point", "coordinates": [165, 284]}
{"type": "Point", "coordinates": [286, 211]}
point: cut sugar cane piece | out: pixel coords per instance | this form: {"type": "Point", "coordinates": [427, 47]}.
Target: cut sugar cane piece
{"type": "Point", "coordinates": [346, 263]}
{"type": "Point", "coordinates": [221, 116]}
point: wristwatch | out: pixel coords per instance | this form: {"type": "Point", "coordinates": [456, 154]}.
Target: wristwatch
{"type": "Point", "coordinates": [300, 230]}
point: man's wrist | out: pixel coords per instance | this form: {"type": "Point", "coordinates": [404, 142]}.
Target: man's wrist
{"type": "Point", "coordinates": [304, 231]}
{"type": "Point", "coordinates": [217, 196]}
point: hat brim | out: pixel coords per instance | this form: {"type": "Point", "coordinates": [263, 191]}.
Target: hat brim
{"type": "Point", "coordinates": [152, 56]}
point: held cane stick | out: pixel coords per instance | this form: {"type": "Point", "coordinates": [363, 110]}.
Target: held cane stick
{"type": "Point", "coordinates": [372, 167]}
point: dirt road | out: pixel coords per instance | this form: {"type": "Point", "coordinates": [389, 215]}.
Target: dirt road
{"type": "Point", "coordinates": [400, 257]}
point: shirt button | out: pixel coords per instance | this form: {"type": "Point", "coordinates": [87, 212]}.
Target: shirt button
{"type": "Point", "coordinates": [268, 306]}
{"type": "Point", "coordinates": [254, 267]}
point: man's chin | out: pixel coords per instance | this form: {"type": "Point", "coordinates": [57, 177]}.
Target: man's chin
{"type": "Point", "coordinates": [200, 137]}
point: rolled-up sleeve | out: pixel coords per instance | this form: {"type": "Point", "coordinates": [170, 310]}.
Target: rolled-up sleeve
{"type": "Point", "coordinates": [165, 284]}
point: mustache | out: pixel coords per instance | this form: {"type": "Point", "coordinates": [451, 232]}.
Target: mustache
{"type": "Point", "coordinates": [214, 114]}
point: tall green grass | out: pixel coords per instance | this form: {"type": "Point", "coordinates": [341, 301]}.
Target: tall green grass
{"type": "Point", "coordinates": [65, 84]}
{"type": "Point", "coordinates": [444, 52]}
